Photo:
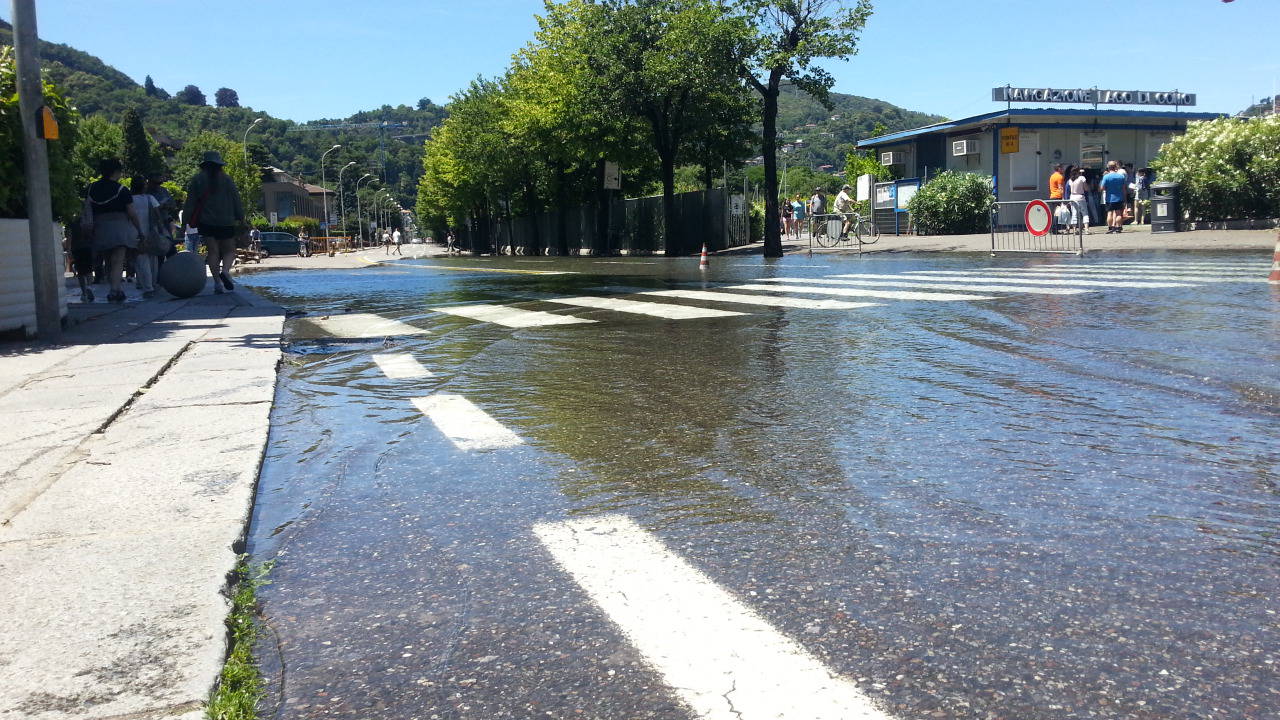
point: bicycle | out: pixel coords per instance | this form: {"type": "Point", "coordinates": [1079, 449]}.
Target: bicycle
{"type": "Point", "coordinates": [861, 228]}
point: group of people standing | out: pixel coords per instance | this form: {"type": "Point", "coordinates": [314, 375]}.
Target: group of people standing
{"type": "Point", "coordinates": [1089, 195]}
{"type": "Point", "coordinates": [122, 228]}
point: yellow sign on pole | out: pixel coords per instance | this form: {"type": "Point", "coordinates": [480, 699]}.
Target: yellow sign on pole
{"type": "Point", "coordinates": [47, 124]}
{"type": "Point", "coordinates": [1009, 140]}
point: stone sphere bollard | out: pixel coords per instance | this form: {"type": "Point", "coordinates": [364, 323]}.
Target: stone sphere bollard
{"type": "Point", "coordinates": [183, 274]}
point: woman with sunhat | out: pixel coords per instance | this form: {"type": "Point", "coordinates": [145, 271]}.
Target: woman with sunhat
{"type": "Point", "coordinates": [213, 207]}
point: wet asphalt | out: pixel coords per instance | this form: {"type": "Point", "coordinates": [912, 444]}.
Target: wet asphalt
{"type": "Point", "coordinates": [1027, 507]}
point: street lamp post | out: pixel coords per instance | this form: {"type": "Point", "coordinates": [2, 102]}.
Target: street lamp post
{"type": "Point", "coordinates": [342, 197]}
{"type": "Point", "coordinates": [359, 215]}
{"type": "Point", "coordinates": [325, 195]}
{"type": "Point", "coordinates": [244, 141]}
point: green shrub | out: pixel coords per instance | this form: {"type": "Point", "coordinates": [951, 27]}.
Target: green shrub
{"type": "Point", "coordinates": [292, 224]}
{"type": "Point", "coordinates": [1229, 168]}
{"type": "Point", "coordinates": [953, 203]}
{"type": "Point", "coordinates": [62, 167]}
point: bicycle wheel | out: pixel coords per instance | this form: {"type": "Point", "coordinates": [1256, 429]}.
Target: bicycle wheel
{"type": "Point", "coordinates": [826, 239]}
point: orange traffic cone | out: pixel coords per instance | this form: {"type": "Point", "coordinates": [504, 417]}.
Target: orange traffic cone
{"type": "Point", "coordinates": [1274, 278]}
{"type": "Point", "coordinates": [702, 264]}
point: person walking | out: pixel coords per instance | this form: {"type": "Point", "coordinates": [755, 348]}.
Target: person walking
{"type": "Point", "coordinates": [797, 214]}
{"type": "Point", "coordinates": [1057, 183]}
{"type": "Point", "coordinates": [146, 263]}
{"type": "Point", "coordinates": [304, 243]}
{"type": "Point", "coordinates": [1112, 188]}
{"type": "Point", "coordinates": [213, 207]}
{"type": "Point", "coordinates": [114, 224]}
{"type": "Point", "coordinates": [818, 208]}
{"type": "Point", "coordinates": [397, 238]}
{"type": "Point", "coordinates": [787, 218]}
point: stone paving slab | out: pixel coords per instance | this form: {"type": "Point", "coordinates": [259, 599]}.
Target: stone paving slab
{"type": "Point", "coordinates": [124, 491]}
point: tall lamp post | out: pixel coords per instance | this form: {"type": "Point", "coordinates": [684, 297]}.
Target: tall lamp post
{"type": "Point", "coordinates": [244, 141]}
{"type": "Point", "coordinates": [342, 197]}
{"type": "Point", "coordinates": [326, 190]}
{"type": "Point", "coordinates": [359, 216]}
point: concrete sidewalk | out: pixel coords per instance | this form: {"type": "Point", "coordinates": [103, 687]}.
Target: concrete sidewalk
{"type": "Point", "coordinates": [126, 483]}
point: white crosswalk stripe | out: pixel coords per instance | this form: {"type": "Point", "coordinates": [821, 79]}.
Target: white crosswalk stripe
{"type": "Point", "coordinates": [660, 310]}
{"type": "Point", "coordinates": [467, 426]}
{"type": "Point", "coordinates": [944, 275]}
{"type": "Point", "coordinates": [1152, 275]}
{"type": "Point", "coordinates": [918, 283]}
{"type": "Point", "coordinates": [1253, 265]}
{"type": "Point", "coordinates": [363, 325]}
{"type": "Point", "coordinates": [762, 300]}
{"type": "Point", "coordinates": [1122, 272]}
{"type": "Point", "coordinates": [724, 660]}
{"type": "Point", "coordinates": [511, 317]}
{"type": "Point", "coordinates": [400, 366]}
{"type": "Point", "coordinates": [859, 292]}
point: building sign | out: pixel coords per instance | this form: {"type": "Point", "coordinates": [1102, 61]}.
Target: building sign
{"type": "Point", "coordinates": [1010, 139]}
{"type": "Point", "coordinates": [1093, 96]}
{"type": "Point", "coordinates": [737, 205]}
{"type": "Point", "coordinates": [612, 176]}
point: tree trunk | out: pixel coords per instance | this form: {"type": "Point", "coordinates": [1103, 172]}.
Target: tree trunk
{"type": "Point", "coordinates": [531, 204]}
{"type": "Point", "coordinates": [601, 246]}
{"type": "Point", "coordinates": [671, 230]}
{"type": "Point", "coordinates": [562, 239]}
{"type": "Point", "coordinates": [772, 234]}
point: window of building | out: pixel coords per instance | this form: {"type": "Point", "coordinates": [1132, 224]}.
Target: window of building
{"type": "Point", "coordinates": [1093, 149]}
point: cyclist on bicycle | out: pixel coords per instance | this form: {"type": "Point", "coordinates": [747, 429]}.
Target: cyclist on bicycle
{"type": "Point", "coordinates": [844, 207]}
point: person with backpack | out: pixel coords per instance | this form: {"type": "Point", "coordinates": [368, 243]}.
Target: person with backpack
{"type": "Point", "coordinates": [213, 207]}
{"type": "Point", "coordinates": [110, 218]}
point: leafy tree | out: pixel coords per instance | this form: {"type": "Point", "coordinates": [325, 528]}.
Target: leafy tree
{"type": "Point", "coordinates": [98, 140]}
{"type": "Point", "coordinates": [1228, 168]}
{"type": "Point", "coordinates": [793, 34]}
{"type": "Point", "coordinates": [226, 98]}
{"type": "Point", "coordinates": [424, 103]}
{"type": "Point", "coordinates": [141, 154]}
{"type": "Point", "coordinates": [191, 95]}
{"type": "Point", "coordinates": [859, 163]}
{"type": "Point", "coordinates": [673, 64]}
{"type": "Point", "coordinates": [61, 153]}
{"type": "Point", "coordinates": [149, 86]}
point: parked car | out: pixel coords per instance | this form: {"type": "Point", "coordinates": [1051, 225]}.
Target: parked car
{"type": "Point", "coordinates": [280, 243]}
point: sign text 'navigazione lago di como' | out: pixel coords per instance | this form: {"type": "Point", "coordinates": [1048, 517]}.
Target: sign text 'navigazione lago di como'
{"type": "Point", "coordinates": [1092, 96]}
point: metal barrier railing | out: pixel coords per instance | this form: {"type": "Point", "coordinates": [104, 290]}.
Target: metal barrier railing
{"type": "Point", "coordinates": [836, 230]}
{"type": "Point", "coordinates": [1016, 227]}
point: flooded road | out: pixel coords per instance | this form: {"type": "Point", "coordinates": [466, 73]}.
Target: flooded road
{"type": "Point", "coordinates": [822, 487]}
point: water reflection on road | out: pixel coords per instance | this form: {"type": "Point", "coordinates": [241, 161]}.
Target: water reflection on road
{"type": "Point", "coordinates": [1037, 506]}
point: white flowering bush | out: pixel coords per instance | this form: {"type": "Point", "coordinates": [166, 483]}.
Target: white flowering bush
{"type": "Point", "coordinates": [953, 203]}
{"type": "Point", "coordinates": [1229, 168]}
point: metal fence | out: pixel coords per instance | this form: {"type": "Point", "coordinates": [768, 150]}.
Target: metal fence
{"type": "Point", "coordinates": [635, 226]}
{"type": "Point", "coordinates": [1013, 231]}
{"type": "Point", "coordinates": [829, 231]}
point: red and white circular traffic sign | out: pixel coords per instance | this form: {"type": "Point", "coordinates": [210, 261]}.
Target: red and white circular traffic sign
{"type": "Point", "coordinates": [1038, 217]}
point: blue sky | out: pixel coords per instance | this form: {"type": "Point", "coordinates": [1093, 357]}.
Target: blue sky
{"type": "Point", "coordinates": [323, 58]}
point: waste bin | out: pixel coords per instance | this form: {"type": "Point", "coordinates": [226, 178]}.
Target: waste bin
{"type": "Point", "coordinates": [1166, 214]}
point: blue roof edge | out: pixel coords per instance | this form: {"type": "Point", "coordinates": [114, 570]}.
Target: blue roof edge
{"type": "Point", "coordinates": [1071, 112]}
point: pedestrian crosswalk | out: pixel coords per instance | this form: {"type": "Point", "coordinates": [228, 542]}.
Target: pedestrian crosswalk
{"type": "Point", "coordinates": [833, 292]}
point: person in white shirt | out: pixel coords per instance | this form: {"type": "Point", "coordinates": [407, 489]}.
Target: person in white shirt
{"type": "Point", "coordinates": [397, 238]}
{"type": "Point", "coordinates": [844, 206]}
{"type": "Point", "coordinates": [146, 263]}
{"type": "Point", "coordinates": [1079, 195]}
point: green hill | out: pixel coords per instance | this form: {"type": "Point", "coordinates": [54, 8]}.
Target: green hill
{"type": "Point", "coordinates": [826, 136]}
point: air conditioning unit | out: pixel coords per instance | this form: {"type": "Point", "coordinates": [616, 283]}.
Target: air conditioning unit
{"type": "Point", "coordinates": [964, 147]}
{"type": "Point", "coordinates": [893, 158]}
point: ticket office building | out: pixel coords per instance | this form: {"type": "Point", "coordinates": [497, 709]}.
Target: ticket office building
{"type": "Point", "coordinates": [1019, 147]}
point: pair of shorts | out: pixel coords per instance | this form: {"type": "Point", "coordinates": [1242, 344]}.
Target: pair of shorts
{"type": "Point", "coordinates": [218, 247]}
{"type": "Point", "coordinates": [1117, 206]}
{"type": "Point", "coordinates": [219, 232]}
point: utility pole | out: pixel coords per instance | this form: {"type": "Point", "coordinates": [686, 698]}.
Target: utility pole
{"type": "Point", "coordinates": [45, 263]}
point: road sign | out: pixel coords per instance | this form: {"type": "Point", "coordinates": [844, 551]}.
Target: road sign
{"type": "Point", "coordinates": [737, 204]}
{"type": "Point", "coordinates": [1038, 217]}
{"type": "Point", "coordinates": [275, 218]}
{"type": "Point", "coordinates": [612, 176]}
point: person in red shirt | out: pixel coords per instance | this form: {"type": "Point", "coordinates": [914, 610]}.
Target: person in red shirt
{"type": "Point", "coordinates": [1056, 183]}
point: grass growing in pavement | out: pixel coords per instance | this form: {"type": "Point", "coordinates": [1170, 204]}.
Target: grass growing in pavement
{"type": "Point", "coordinates": [240, 685]}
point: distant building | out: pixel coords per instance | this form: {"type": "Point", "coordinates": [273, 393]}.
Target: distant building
{"type": "Point", "coordinates": [1019, 146]}
{"type": "Point", "coordinates": [286, 195]}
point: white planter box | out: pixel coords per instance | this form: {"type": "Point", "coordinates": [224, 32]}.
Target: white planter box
{"type": "Point", "coordinates": [17, 287]}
